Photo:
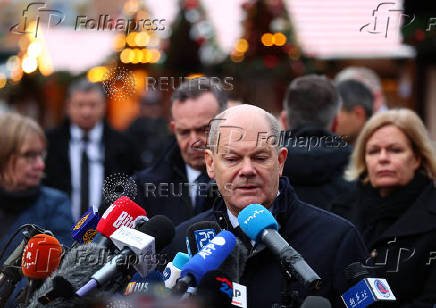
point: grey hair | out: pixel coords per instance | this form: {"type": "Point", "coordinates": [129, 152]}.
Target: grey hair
{"type": "Point", "coordinates": [355, 93]}
{"type": "Point", "coordinates": [193, 88]}
{"type": "Point", "coordinates": [83, 85]}
{"type": "Point", "coordinates": [213, 137]}
{"type": "Point", "coordinates": [311, 100]}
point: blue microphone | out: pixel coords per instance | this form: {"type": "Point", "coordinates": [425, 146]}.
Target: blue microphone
{"type": "Point", "coordinates": [260, 225]}
{"type": "Point", "coordinates": [85, 229]}
{"type": "Point", "coordinates": [207, 259]}
{"type": "Point", "coordinates": [199, 234]}
{"type": "Point", "coordinates": [365, 291]}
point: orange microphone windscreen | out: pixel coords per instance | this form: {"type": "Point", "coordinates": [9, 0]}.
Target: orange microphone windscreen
{"type": "Point", "coordinates": [41, 256]}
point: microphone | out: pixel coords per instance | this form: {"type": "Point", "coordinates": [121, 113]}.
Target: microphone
{"type": "Point", "coordinates": [199, 234]}
{"type": "Point", "coordinates": [84, 231]}
{"type": "Point", "coordinates": [76, 268]}
{"type": "Point", "coordinates": [122, 212]}
{"type": "Point", "coordinates": [234, 264]}
{"type": "Point", "coordinates": [159, 232]}
{"type": "Point", "coordinates": [316, 302]}
{"type": "Point", "coordinates": [61, 288]}
{"type": "Point", "coordinates": [11, 270]}
{"type": "Point", "coordinates": [367, 290]}
{"type": "Point", "coordinates": [208, 258]}
{"type": "Point", "coordinates": [174, 269]}
{"type": "Point", "coordinates": [152, 285]}
{"type": "Point", "coordinates": [260, 225]}
{"type": "Point", "coordinates": [41, 257]}
{"type": "Point", "coordinates": [216, 289]}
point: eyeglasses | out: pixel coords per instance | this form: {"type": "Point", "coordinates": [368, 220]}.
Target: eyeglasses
{"type": "Point", "coordinates": [32, 156]}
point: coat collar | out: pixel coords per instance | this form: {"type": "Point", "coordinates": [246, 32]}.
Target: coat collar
{"type": "Point", "coordinates": [419, 218]}
{"type": "Point", "coordinates": [282, 205]}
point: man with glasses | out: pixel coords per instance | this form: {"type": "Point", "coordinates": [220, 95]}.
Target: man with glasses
{"type": "Point", "coordinates": [176, 185]}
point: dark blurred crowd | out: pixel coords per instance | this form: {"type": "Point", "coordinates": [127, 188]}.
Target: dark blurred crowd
{"type": "Point", "coordinates": [336, 155]}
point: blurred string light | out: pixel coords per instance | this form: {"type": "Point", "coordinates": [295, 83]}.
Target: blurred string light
{"type": "Point", "coordinates": [29, 64]}
{"type": "Point", "coordinates": [136, 55]}
{"type": "Point", "coordinates": [238, 53]}
{"type": "Point", "coordinates": [3, 80]}
{"type": "Point", "coordinates": [276, 39]}
{"type": "Point", "coordinates": [195, 75]}
{"type": "Point", "coordinates": [98, 74]}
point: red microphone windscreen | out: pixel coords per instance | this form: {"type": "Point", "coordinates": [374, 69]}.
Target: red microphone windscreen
{"type": "Point", "coordinates": [122, 212]}
{"type": "Point", "coordinates": [41, 256]}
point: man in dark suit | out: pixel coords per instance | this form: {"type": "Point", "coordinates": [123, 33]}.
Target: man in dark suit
{"type": "Point", "coordinates": [247, 165]}
{"type": "Point", "coordinates": [84, 150]}
{"type": "Point", "coordinates": [316, 156]}
{"type": "Point", "coordinates": [175, 186]}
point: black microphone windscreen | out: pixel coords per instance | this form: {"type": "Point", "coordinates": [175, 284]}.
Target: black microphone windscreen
{"type": "Point", "coordinates": [234, 264]}
{"type": "Point", "coordinates": [316, 302]}
{"type": "Point", "coordinates": [216, 289]}
{"type": "Point", "coordinates": [77, 267]}
{"type": "Point", "coordinates": [198, 235]}
{"type": "Point", "coordinates": [161, 228]}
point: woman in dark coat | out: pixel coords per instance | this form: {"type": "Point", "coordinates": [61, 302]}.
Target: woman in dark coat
{"type": "Point", "coordinates": [22, 199]}
{"type": "Point", "coordinates": [394, 204]}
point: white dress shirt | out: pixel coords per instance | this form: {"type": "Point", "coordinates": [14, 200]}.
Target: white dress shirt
{"type": "Point", "coordinates": [192, 175]}
{"type": "Point", "coordinates": [95, 151]}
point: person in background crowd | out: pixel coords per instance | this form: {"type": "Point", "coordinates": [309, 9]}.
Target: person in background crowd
{"type": "Point", "coordinates": [248, 170]}
{"type": "Point", "coordinates": [370, 79]}
{"type": "Point", "coordinates": [85, 150]}
{"type": "Point", "coordinates": [317, 157]}
{"type": "Point", "coordinates": [394, 203]}
{"type": "Point", "coordinates": [357, 103]}
{"type": "Point", "coordinates": [173, 185]}
{"type": "Point", "coordinates": [150, 130]}
{"type": "Point", "coordinates": [23, 199]}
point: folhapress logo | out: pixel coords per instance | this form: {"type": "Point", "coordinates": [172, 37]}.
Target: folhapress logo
{"type": "Point", "coordinates": [34, 13]}
{"type": "Point", "coordinates": [253, 216]}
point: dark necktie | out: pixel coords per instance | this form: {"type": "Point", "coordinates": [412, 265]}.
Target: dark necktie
{"type": "Point", "coordinates": [201, 191]}
{"type": "Point", "coordinates": [84, 176]}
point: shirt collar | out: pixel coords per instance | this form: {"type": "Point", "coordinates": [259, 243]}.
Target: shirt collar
{"type": "Point", "coordinates": [234, 220]}
{"type": "Point", "coordinates": [95, 134]}
{"type": "Point", "coordinates": [192, 174]}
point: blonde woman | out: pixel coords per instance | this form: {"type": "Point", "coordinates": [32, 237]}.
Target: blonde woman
{"type": "Point", "coordinates": [394, 204]}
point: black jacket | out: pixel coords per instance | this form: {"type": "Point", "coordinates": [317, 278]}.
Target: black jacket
{"type": "Point", "coordinates": [327, 242]}
{"type": "Point", "coordinates": [405, 253]}
{"type": "Point", "coordinates": [163, 189]}
{"type": "Point", "coordinates": [315, 165]}
{"type": "Point", "coordinates": [121, 156]}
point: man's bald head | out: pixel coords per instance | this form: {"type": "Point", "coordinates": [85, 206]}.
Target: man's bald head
{"type": "Point", "coordinates": [246, 118]}
{"type": "Point", "coordinates": [243, 158]}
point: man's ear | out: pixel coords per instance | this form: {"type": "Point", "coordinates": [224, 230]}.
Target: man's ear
{"type": "Point", "coordinates": [283, 153]}
{"type": "Point", "coordinates": [284, 120]}
{"type": "Point", "coordinates": [360, 113]}
{"type": "Point", "coordinates": [210, 167]}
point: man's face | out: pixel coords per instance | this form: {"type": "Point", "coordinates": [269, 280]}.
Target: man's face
{"type": "Point", "coordinates": [190, 121]}
{"type": "Point", "coordinates": [246, 170]}
{"type": "Point", "coordinates": [86, 108]}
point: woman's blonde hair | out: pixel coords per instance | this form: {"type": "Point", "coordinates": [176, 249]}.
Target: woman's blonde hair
{"type": "Point", "coordinates": [411, 125]}
{"type": "Point", "coordinates": [14, 129]}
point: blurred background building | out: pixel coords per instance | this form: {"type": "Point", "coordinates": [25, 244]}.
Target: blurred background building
{"type": "Point", "coordinates": [259, 46]}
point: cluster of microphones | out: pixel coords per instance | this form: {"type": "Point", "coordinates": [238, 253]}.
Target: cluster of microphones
{"type": "Point", "coordinates": [115, 260]}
